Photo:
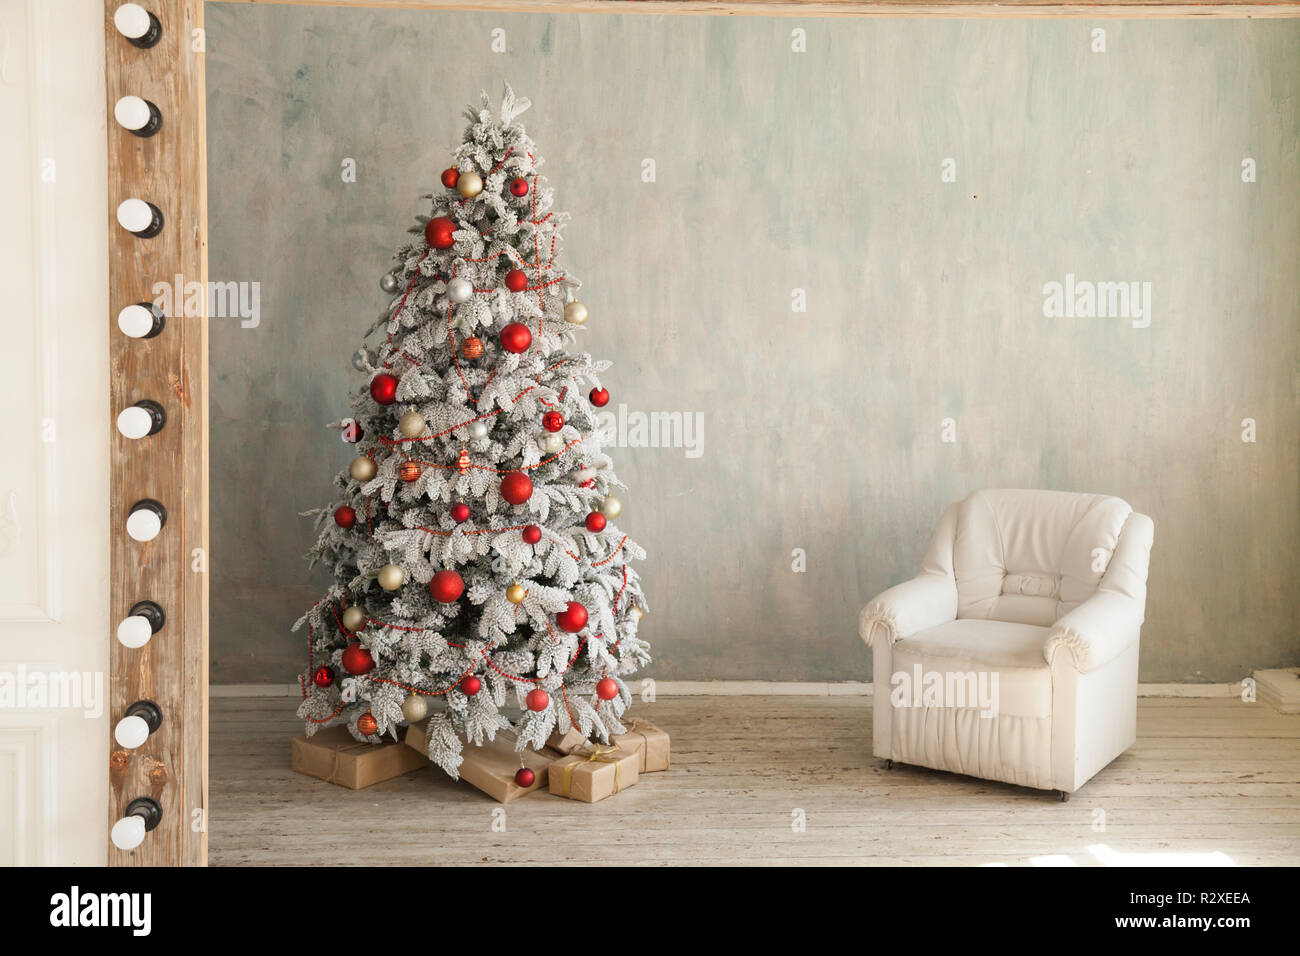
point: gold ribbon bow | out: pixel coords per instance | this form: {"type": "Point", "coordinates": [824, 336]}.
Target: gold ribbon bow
{"type": "Point", "coordinates": [597, 754]}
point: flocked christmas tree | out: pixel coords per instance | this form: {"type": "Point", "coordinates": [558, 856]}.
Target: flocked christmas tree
{"type": "Point", "coordinates": [479, 576]}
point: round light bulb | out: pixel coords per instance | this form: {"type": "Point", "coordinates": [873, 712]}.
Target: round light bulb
{"type": "Point", "coordinates": [143, 524]}
{"type": "Point", "coordinates": [131, 732]}
{"type": "Point", "coordinates": [132, 113]}
{"type": "Point", "coordinates": [131, 20]}
{"type": "Point", "coordinates": [134, 215]}
{"type": "Point", "coordinates": [138, 321]}
{"type": "Point", "coordinates": [135, 422]}
{"type": "Point", "coordinates": [128, 832]}
{"type": "Point", "coordinates": [134, 631]}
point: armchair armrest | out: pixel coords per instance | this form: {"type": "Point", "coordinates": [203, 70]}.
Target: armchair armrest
{"type": "Point", "coordinates": [927, 600]}
{"type": "Point", "coordinates": [1096, 631]}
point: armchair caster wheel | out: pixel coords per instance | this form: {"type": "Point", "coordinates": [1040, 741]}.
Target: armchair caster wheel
{"type": "Point", "coordinates": [1065, 797]}
{"type": "Point", "coordinates": [889, 765]}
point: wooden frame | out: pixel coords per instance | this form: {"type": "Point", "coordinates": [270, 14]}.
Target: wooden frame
{"type": "Point", "coordinates": [169, 170]}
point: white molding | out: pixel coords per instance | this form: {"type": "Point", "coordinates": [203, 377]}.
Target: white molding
{"type": "Point", "coordinates": [29, 739]}
{"type": "Point", "coordinates": [42, 26]}
{"type": "Point", "coordinates": [739, 688]}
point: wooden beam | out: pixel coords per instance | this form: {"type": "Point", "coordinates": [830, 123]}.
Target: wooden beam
{"type": "Point", "coordinates": [1008, 9]}
{"type": "Point", "coordinates": [168, 170]}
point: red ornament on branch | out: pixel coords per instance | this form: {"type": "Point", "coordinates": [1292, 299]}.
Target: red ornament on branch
{"type": "Point", "coordinates": [449, 177]}
{"type": "Point", "coordinates": [599, 397]}
{"type": "Point", "coordinates": [462, 462]}
{"type": "Point", "coordinates": [438, 232]}
{"type": "Point", "coordinates": [607, 688]}
{"type": "Point", "coordinates": [352, 432]}
{"type": "Point", "coordinates": [516, 487]}
{"type": "Point", "coordinates": [383, 388]}
{"type": "Point", "coordinates": [472, 348]}
{"type": "Point", "coordinates": [446, 586]}
{"type": "Point", "coordinates": [552, 421]}
{"type": "Point", "coordinates": [470, 685]}
{"type": "Point", "coordinates": [357, 660]}
{"type": "Point", "coordinates": [459, 512]}
{"type": "Point", "coordinates": [410, 471]}
{"type": "Point", "coordinates": [516, 281]}
{"type": "Point", "coordinates": [323, 677]}
{"type": "Point", "coordinates": [573, 618]}
{"type": "Point", "coordinates": [516, 338]}
{"type": "Point", "coordinates": [519, 186]}
{"type": "Point", "coordinates": [344, 516]}
{"type": "Point", "coordinates": [595, 521]}
{"type": "Point", "coordinates": [367, 724]}
{"type": "Point", "coordinates": [524, 777]}
{"type": "Point", "coordinates": [537, 699]}
{"type": "Point", "coordinates": [532, 534]}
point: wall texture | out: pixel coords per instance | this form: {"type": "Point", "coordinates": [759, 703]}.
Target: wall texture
{"type": "Point", "coordinates": [821, 171]}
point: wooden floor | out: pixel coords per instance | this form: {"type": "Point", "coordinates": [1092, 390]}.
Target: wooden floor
{"type": "Point", "coordinates": [1205, 777]}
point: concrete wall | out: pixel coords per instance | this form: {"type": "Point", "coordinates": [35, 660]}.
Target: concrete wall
{"type": "Point", "coordinates": [820, 171]}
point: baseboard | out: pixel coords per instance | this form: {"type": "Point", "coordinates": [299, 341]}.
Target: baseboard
{"type": "Point", "coordinates": [738, 688]}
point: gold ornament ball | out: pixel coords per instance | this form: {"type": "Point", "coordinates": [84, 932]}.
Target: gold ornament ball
{"type": "Point", "coordinates": [354, 619]}
{"type": "Point", "coordinates": [469, 185]}
{"type": "Point", "coordinates": [391, 577]}
{"type": "Point", "coordinates": [515, 594]}
{"type": "Point", "coordinates": [411, 425]}
{"type": "Point", "coordinates": [362, 469]}
{"type": "Point", "coordinates": [611, 507]}
{"type": "Point", "coordinates": [576, 313]}
{"type": "Point", "coordinates": [551, 443]}
{"type": "Point", "coordinates": [414, 708]}
{"type": "Point", "coordinates": [637, 612]}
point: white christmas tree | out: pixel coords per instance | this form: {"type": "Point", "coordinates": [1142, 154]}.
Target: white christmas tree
{"type": "Point", "coordinates": [478, 570]}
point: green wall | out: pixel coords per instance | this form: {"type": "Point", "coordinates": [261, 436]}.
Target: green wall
{"type": "Point", "coordinates": [779, 170]}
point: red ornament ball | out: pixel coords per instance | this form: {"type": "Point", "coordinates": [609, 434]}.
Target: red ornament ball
{"type": "Point", "coordinates": [532, 534]}
{"type": "Point", "coordinates": [470, 685]}
{"type": "Point", "coordinates": [516, 281]}
{"type": "Point", "coordinates": [524, 777]}
{"type": "Point", "coordinates": [537, 699]}
{"type": "Point", "coordinates": [459, 512]}
{"type": "Point", "coordinates": [383, 388]}
{"type": "Point", "coordinates": [409, 471]}
{"type": "Point", "coordinates": [552, 421]}
{"type": "Point", "coordinates": [607, 688]}
{"type": "Point", "coordinates": [519, 186]}
{"type": "Point", "coordinates": [516, 487]}
{"type": "Point", "coordinates": [345, 516]}
{"type": "Point", "coordinates": [367, 724]}
{"type": "Point", "coordinates": [357, 660]}
{"type": "Point", "coordinates": [472, 348]}
{"type": "Point", "coordinates": [599, 397]}
{"type": "Point", "coordinates": [323, 677]}
{"type": "Point", "coordinates": [573, 618]}
{"type": "Point", "coordinates": [438, 232]}
{"type": "Point", "coordinates": [516, 338]}
{"type": "Point", "coordinates": [450, 176]}
{"type": "Point", "coordinates": [352, 432]}
{"type": "Point", "coordinates": [446, 586]}
{"type": "Point", "coordinates": [595, 521]}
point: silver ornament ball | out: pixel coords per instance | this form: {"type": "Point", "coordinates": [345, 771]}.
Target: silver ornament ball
{"type": "Point", "coordinates": [363, 359]}
{"type": "Point", "coordinates": [611, 507]}
{"type": "Point", "coordinates": [477, 430]}
{"type": "Point", "coordinates": [551, 443]}
{"type": "Point", "coordinates": [459, 290]}
{"type": "Point", "coordinates": [389, 283]}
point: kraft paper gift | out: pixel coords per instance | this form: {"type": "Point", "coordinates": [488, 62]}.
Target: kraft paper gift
{"type": "Point", "coordinates": [593, 773]}
{"type": "Point", "coordinates": [334, 756]}
{"type": "Point", "coordinates": [492, 767]}
{"type": "Point", "coordinates": [642, 738]}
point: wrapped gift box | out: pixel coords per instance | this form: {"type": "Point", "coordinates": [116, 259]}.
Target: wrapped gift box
{"type": "Point", "coordinates": [593, 773]}
{"type": "Point", "coordinates": [492, 767]}
{"type": "Point", "coordinates": [334, 756]}
{"type": "Point", "coordinates": [642, 738]}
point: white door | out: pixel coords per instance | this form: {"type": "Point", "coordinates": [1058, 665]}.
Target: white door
{"type": "Point", "coordinates": [54, 627]}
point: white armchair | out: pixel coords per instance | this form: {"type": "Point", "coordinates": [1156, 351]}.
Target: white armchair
{"type": "Point", "coordinates": [1013, 654]}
